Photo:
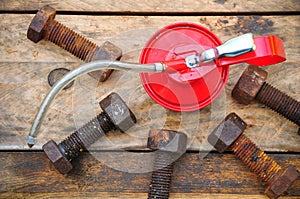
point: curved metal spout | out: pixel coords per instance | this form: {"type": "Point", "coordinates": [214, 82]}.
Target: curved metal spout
{"type": "Point", "coordinates": [83, 69]}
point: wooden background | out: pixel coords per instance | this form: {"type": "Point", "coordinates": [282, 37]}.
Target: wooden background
{"type": "Point", "coordinates": [129, 24]}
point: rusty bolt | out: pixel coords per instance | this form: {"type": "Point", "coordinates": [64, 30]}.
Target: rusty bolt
{"type": "Point", "coordinates": [44, 26]}
{"type": "Point", "coordinates": [115, 115]}
{"type": "Point", "coordinates": [168, 143]}
{"type": "Point", "coordinates": [252, 85]}
{"type": "Point", "coordinates": [229, 134]}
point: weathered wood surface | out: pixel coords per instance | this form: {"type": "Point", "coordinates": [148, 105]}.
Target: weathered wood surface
{"type": "Point", "coordinates": [26, 174]}
{"type": "Point", "coordinates": [23, 85]}
{"type": "Point", "coordinates": [156, 6]}
{"type": "Point", "coordinates": [25, 66]}
{"type": "Point", "coordinates": [109, 195]}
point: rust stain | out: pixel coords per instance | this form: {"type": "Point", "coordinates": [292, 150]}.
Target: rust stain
{"type": "Point", "coordinates": [254, 24]}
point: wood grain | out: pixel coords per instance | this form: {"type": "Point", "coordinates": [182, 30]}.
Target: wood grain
{"type": "Point", "coordinates": [27, 174]}
{"type": "Point", "coordinates": [155, 6]}
{"type": "Point", "coordinates": [109, 195]}
{"type": "Point", "coordinates": [131, 33]}
{"type": "Point", "coordinates": [108, 171]}
{"type": "Point", "coordinates": [25, 66]}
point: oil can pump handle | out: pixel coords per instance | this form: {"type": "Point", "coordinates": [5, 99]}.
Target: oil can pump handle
{"type": "Point", "coordinates": [258, 51]}
{"type": "Point", "coordinates": [231, 48]}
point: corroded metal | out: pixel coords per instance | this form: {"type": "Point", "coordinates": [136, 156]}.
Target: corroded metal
{"type": "Point", "coordinates": [252, 85]}
{"type": "Point", "coordinates": [169, 143]}
{"type": "Point", "coordinates": [115, 115]}
{"type": "Point", "coordinates": [257, 160]}
{"type": "Point", "coordinates": [161, 176]}
{"type": "Point", "coordinates": [229, 134]}
{"type": "Point", "coordinates": [44, 26]}
{"type": "Point", "coordinates": [279, 102]}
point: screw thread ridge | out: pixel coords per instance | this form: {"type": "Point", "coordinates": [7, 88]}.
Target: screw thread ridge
{"type": "Point", "coordinates": [70, 41]}
{"type": "Point", "coordinates": [161, 176]}
{"type": "Point", "coordinates": [86, 135]}
{"type": "Point", "coordinates": [280, 102]}
{"type": "Point", "coordinates": [258, 161]}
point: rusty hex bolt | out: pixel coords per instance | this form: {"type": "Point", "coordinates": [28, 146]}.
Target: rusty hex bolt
{"type": "Point", "coordinates": [169, 144]}
{"type": "Point", "coordinates": [115, 114]}
{"type": "Point", "coordinates": [229, 134]}
{"type": "Point", "coordinates": [252, 85]}
{"type": "Point", "coordinates": [44, 26]}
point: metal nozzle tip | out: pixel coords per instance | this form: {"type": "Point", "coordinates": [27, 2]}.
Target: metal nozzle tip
{"type": "Point", "coordinates": [30, 141]}
{"type": "Point", "coordinates": [30, 145]}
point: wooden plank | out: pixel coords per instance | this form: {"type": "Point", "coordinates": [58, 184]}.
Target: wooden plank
{"type": "Point", "coordinates": [25, 66]}
{"type": "Point", "coordinates": [26, 174]}
{"type": "Point", "coordinates": [109, 195]}
{"type": "Point", "coordinates": [22, 95]}
{"type": "Point", "coordinates": [155, 6]}
{"type": "Point", "coordinates": [131, 33]}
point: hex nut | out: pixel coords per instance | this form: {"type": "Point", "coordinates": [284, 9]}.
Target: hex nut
{"type": "Point", "coordinates": [118, 111]}
{"type": "Point", "coordinates": [39, 23]}
{"type": "Point", "coordinates": [282, 182]}
{"type": "Point", "coordinates": [249, 84]}
{"type": "Point", "coordinates": [227, 132]}
{"type": "Point", "coordinates": [60, 162]}
{"type": "Point", "coordinates": [167, 140]}
{"type": "Point", "coordinates": [107, 51]}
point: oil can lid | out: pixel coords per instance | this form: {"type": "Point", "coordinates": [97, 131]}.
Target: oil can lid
{"type": "Point", "coordinates": [188, 90]}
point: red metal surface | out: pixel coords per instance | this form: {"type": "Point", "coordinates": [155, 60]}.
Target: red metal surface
{"type": "Point", "coordinates": [183, 89]}
{"type": "Point", "coordinates": [269, 50]}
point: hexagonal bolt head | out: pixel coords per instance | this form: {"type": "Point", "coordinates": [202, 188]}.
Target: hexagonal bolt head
{"type": "Point", "coordinates": [249, 84]}
{"type": "Point", "coordinates": [282, 182]}
{"type": "Point", "coordinates": [119, 113]}
{"type": "Point", "coordinates": [167, 140]}
{"type": "Point", "coordinates": [227, 132]}
{"type": "Point", "coordinates": [39, 23]}
{"type": "Point", "coordinates": [60, 162]}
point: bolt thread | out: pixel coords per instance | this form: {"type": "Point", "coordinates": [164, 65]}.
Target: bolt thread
{"type": "Point", "coordinates": [86, 135]}
{"type": "Point", "coordinates": [259, 162]}
{"type": "Point", "coordinates": [280, 102]}
{"type": "Point", "coordinates": [70, 41]}
{"type": "Point", "coordinates": [159, 187]}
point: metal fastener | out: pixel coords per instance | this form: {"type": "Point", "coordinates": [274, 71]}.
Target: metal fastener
{"type": "Point", "coordinates": [252, 85]}
{"type": "Point", "coordinates": [115, 115]}
{"type": "Point", "coordinates": [44, 26]}
{"type": "Point", "coordinates": [229, 134]}
{"type": "Point", "coordinates": [169, 144]}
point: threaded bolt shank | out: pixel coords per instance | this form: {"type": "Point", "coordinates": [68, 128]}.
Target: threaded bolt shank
{"type": "Point", "coordinates": [161, 176]}
{"type": "Point", "coordinates": [70, 41]}
{"type": "Point", "coordinates": [279, 102]}
{"type": "Point", "coordinates": [258, 161]}
{"type": "Point", "coordinates": [85, 136]}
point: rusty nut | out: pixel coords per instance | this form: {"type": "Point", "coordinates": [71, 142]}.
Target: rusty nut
{"type": "Point", "coordinates": [107, 51]}
{"type": "Point", "coordinates": [40, 23]}
{"type": "Point", "coordinates": [249, 84]}
{"type": "Point", "coordinates": [282, 182]}
{"type": "Point", "coordinates": [167, 140]}
{"type": "Point", "coordinates": [227, 132]}
{"type": "Point", "coordinates": [60, 162]}
{"type": "Point", "coordinates": [118, 112]}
